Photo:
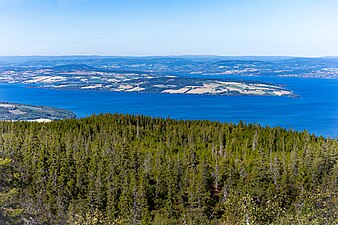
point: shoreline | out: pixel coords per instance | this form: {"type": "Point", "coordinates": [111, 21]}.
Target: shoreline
{"type": "Point", "coordinates": [10, 111]}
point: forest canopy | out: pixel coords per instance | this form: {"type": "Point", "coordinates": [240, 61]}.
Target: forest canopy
{"type": "Point", "coordinates": [127, 169]}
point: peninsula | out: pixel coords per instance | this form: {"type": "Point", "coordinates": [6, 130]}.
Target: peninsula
{"type": "Point", "coordinates": [14, 112]}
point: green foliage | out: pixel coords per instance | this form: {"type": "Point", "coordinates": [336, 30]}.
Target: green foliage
{"type": "Point", "coordinates": [9, 211]}
{"type": "Point", "coordinates": [123, 169]}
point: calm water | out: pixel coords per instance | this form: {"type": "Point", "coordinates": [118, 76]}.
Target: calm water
{"type": "Point", "coordinates": [316, 110]}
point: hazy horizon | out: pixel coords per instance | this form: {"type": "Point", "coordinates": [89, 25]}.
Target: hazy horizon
{"type": "Point", "coordinates": [169, 28]}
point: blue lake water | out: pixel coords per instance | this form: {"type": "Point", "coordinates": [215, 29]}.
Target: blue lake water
{"type": "Point", "coordinates": [316, 110]}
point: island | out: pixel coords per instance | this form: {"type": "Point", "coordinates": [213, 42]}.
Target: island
{"type": "Point", "coordinates": [15, 112]}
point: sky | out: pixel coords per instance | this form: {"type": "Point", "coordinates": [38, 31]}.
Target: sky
{"type": "Point", "coordinates": [169, 27]}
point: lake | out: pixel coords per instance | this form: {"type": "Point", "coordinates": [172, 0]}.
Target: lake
{"type": "Point", "coordinates": [316, 110]}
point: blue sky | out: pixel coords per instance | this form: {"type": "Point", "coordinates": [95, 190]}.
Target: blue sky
{"type": "Point", "coordinates": [169, 27]}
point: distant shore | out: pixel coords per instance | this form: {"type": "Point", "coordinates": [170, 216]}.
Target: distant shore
{"type": "Point", "coordinates": [22, 112]}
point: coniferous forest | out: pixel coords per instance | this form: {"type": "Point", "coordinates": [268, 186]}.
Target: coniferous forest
{"type": "Point", "coordinates": [124, 169]}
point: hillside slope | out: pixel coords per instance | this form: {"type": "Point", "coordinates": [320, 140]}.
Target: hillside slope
{"type": "Point", "coordinates": [123, 169]}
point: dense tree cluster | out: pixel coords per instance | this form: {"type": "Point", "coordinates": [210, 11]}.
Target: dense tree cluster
{"type": "Point", "coordinates": [124, 169]}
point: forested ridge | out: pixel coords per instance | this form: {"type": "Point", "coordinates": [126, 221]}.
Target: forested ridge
{"type": "Point", "coordinates": [125, 169]}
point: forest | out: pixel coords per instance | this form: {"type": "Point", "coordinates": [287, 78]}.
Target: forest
{"type": "Point", "coordinates": [134, 169]}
